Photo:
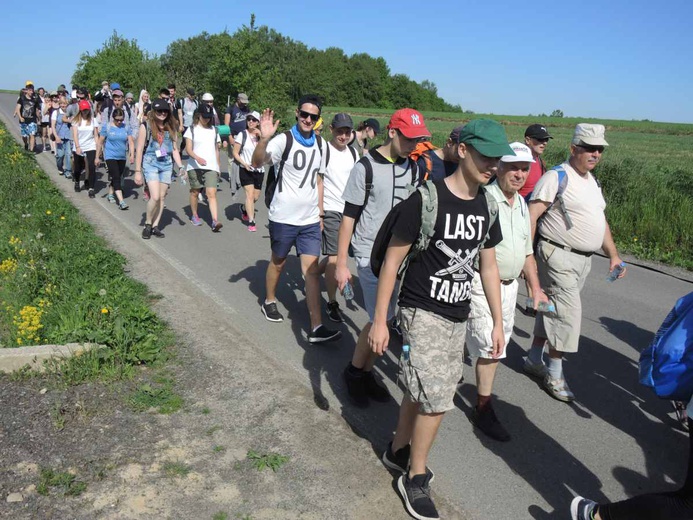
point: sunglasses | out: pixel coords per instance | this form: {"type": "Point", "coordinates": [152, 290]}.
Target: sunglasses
{"type": "Point", "coordinates": [591, 149]}
{"type": "Point", "coordinates": [161, 111]}
{"type": "Point", "coordinates": [251, 120]}
{"type": "Point", "coordinates": [544, 140]}
{"type": "Point", "coordinates": [307, 115]}
{"type": "Point", "coordinates": [119, 120]}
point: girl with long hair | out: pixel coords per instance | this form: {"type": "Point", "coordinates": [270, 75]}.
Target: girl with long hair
{"type": "Point", "coordinates": [84, 136]}
{"type": "Point", "coordinates": [143, 106]}
{"type": "Point", "coordinates": [117, 136]}
{"type": "Point", "coordinates": [251, 178]}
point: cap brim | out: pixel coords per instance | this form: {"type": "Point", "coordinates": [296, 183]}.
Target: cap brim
{"type": "Point", "coordinates": [594, 141]}
{"type": "Point", "coordinates": [414, 133]}
{"type": "Point", "coordinates": [493, 150]}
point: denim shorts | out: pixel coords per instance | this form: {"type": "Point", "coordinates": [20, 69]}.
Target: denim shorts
{"type": "Point", "coordinates": [156, 170]}
{"type": "Point", "coordinates": [28, 129]}
{"type": "Point", "coordinates": [284, 236]}
{"type": "Point", "coordinates": [369, 286]}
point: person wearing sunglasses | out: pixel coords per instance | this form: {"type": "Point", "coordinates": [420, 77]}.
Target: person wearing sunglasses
{"type": "Point", "coordinates": [250, 178]}
{"type": "Point", "coordinates": [116, 135]}
{"type": "Point", "coordinates": [295, 209]}
{"type": "Point", "coordinates": [567, 215]}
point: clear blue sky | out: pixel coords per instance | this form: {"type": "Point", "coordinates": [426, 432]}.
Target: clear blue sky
{"type": "Point", "coordinates": [625, 59]}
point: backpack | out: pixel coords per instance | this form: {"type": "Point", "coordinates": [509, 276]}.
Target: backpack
{"type": "Point", "coordinates": [429, 215]}
{"type": "Point", "coordinates": [180, 104]}
{"type": "Point", "coordinates": [420, 151]}
{"type": "Point", "coordinates": [327, 155]}
{"type": "Point", "coordinates": [667, 364]}
{"type": "Point", "coordinates": [110, 108]}
{"type": "Point", "coordinates": [274, 179]}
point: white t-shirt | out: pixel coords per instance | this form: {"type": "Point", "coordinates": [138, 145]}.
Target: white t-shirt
{"type": "Point", "coordinates": [85, 136]}
{"type": "Point", "coordinates": [295, 200]}
{"type": "Point", "coordinates": [205, 146]}
{"type": "Point", "coordinates": [248, 149]}
{"type": "Point", "coordinates": [336, 176]}
{"type": "Point", "coordinates": [585, 204]}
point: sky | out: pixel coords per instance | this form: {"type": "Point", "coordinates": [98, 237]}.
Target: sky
{"type": "Point", "coordinates": [613, 59]}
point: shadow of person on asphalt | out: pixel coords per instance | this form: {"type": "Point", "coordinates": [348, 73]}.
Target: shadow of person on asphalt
{"type": "Point", "coordinates": [628, 332]}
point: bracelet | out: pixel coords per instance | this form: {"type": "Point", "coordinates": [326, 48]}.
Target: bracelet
{"type": "Point", "coordinates": [322, 216]}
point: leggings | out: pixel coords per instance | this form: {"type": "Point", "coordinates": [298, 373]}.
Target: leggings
{"type": "Point", "coordinates": [85, 163]}
{"type": "Point", "coordinates": [116, 171]}
{"type": "Point", "coordinates": [676, 505]}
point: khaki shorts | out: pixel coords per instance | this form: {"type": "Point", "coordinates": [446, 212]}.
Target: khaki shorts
{"type": "Point", "coordinates": [480, 322]}
{"type": "Point", "coordinates": [562, 275]}
{"type": "Point", "coordinates": [202, 179]}
{"type": "Point", "coordinates": [436, 358]}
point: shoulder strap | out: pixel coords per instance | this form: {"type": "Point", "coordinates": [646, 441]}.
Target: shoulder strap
{"type": "Point", "coordinates": [244, 137]}
{"type": "Point", "coordinates": [414, 171]}
{"type": "Point", "coordinates": [429, 212]}
{"type": "Point", "coordinates": [492, 205]}
{"type": "Point", "coordinates": [285, 157]}
{"type": "Point", "coordinates": [319, 140]}
{"type": "Point", "coordinates": [562, 185]}
{"type": "Point", "coordinates": [327, 155]}
{"type": "Point", "coordinates": [369, 179]}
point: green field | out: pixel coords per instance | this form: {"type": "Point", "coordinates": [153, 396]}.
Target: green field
{"type": "Point", "coordinates": [646, 174]}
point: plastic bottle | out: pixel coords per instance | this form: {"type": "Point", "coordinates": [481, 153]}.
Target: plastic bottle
{"type": "Point", "coordinates": [183, 180]}
{"type": "Point", "coordinates": [405, 352]}
{"type": "Point", "coordinates": [543, 307]}
{"type": "Point", "coordinates": [348, 292]}
{"type": "Point", "coordinates": [613, 275]}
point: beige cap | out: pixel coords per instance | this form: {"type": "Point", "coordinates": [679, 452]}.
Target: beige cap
{"type": "Point", "coordinates": [590, 134]}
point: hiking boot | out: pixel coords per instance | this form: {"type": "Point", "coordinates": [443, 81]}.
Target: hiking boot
{"type": "Point", "coordinates": [535, 369]}
{"type": "Point", "coordinates": [252, 228]}
{"type": "Point", "coordinates": [322, 335]}
{"type": "Point", "coordinates": [489, 424]}
{"type": "Point", "coordinates": [356, 388]}
{"type": "Point", "coordinates": [271, 312]}
{"type": "Point", "coordinates": [244, 215]}
{"type": "Point", "coordinates": [91, 193]}
{"type": "Point", "coordinates": [147, 231]}
{"type": "Point", "coordinates": [111, 198]}
{"type": "Point", "coordinates": [416, 493]}
{"type": "Point", "coordinates": [558, 389]}
{"type": "Point", "coordinates": [399, 460]}
{"type": "Point", "coordinates": [157, 232]}
{"type": "Point", "coordinates": [582, 508]}
{"type": "Point", "coordinates": [375, 390]}
{"type": "Point", "coordinates": [216, 226]}
{"type": "Point", "coordinates": [77, 188]}
{"type": "Point", "coordinates": [196, 221]}
{"type": "Point", "coordinates": [334, 312]}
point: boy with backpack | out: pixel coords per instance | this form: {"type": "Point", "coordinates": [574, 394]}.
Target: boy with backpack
{"type": "Point", "coordinates": [378, 182]}
{"type": "Point", "coordinates": [435, 299]}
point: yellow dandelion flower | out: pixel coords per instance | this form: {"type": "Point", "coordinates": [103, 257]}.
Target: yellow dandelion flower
{"type": "Point", "coordinates": [104, 311]}
{"type": "Point", "coordinates": [48, 212]}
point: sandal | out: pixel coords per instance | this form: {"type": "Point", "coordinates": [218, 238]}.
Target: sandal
{"type": "Point", "coordinates": [558, 389]}
{"type": "Point", "coordinates": [681, 415]}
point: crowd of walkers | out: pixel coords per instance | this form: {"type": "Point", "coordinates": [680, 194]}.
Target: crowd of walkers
{"type": "Point", "coordinates": [441, 238]}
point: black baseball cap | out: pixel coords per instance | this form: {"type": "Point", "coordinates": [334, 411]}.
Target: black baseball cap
{"type": "Point", "coordinates": [191, 91]}
{"type": "Point", "coordinates": [373, 123]}
{"type": "Point", "coordinates": [537, 131]}
{"type": "Point", "coordinates": [342, 120]}
{"type": "Point", "coordinates": [161, 104]}
{"type": "Point", "coordinates": [206, 111]}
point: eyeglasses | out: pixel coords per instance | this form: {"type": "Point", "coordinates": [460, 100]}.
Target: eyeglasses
{"type": "Point", "coordinates": [119, 120]}
{"type": "Point", "coordinates": [591, 149]}
{"type": "Point", "coordinates": [308, 115]}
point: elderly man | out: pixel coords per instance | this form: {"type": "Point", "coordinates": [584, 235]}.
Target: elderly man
{"type": "Point", "coordinates": [513, 255]}
{"type": "Point", "coordinates": [567, 213]}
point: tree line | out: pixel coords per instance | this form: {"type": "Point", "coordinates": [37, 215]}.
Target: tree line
{"type": "Point", "coordinates": [272, 69]}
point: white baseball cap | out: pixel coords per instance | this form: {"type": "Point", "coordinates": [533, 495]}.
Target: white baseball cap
{"type": "Point", "coordinates": [207, 97]}
{"type": "Point", "coordinates": [522, 153]}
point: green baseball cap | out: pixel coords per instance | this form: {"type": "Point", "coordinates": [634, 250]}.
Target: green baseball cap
{"type": "Point", "coordinates": [487, 137]}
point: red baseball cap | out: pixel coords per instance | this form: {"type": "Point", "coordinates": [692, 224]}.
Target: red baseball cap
{"type": "Point", "coordinates": [410, 122]}
{"type": "Point", "coordinates": [84, 105]}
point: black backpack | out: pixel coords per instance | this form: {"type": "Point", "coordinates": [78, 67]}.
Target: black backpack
{"type": "Point", "coordinates": [274, 179]}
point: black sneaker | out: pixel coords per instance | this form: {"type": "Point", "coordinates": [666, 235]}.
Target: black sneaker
{"type": "Point", "coordinates": [91, 193]}
{"type": "Point", "coordinates": [488, 423]}
{"type": "Point", "coordinates": [271, 312]}
{"type": "Point", "coordinates": [375, 390]}
{"type": "Point", "coordinates": [322, 335]}
{"type": "Point", "coordinates": [147, 231]}
{"type": "Point", "coordinates": [77, 188]}
{"type": "Point", "coordinates": [157, 232]}
{"type": "Point", "coordinates": [356, 388]}
{"type": "Point", "coordinates": [26, 146]}
{"type": "Point", "coordinates": [334, 312]}
{"type": "Point", "coordinates": [399, 460]}
{"type": "Point", "coordinates": [416, 493]}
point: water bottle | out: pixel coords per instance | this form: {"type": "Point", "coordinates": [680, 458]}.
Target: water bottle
{"type": "Point", "coordinates": [405, 352]}
{"type": "Point", "coordinates": [183, 180]}
{"type": "Point", "coordinates": [613, 275]}
{"type": "Point", "coordinates": [348, 292]}
{"type": "Point", "coordinates": [542, 307]}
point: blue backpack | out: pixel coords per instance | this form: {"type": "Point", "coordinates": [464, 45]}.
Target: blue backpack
{"type": "Point", "coordinates": [667, 364]}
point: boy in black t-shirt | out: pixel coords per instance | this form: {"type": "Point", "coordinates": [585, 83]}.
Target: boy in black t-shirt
{"type": "Point", "coordinates": [434, 302]}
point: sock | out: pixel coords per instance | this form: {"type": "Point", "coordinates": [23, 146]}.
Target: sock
{"type": "Point", "coordinates": [555, 366]}
{"type": "Point", "coordinates": [316, 328]}
{"type": "Point", "coordinates": [358, 372]}
{"type": "Point", "coordinates": [536, 353]}
{"type": "Point", "coordinates": [483, 402]}
{"type": "Point", "coordinates": [268, 302]}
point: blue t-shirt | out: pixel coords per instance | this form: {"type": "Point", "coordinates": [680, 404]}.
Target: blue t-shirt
{"type": "Point", "coordinates": [116, 141]}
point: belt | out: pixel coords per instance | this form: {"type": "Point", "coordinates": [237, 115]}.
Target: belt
{"type": "Point", "coordinates": [566, 248]}
{"type": "Point", "coordinates": [507, 282]}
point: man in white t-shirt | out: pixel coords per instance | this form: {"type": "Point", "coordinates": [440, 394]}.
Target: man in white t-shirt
{"type": "Point", "coordinates": [298, 156]}
{"type": "Point", "coordinates": [338, 164]}
{"type": "Point", "coordinates": [571, 228]}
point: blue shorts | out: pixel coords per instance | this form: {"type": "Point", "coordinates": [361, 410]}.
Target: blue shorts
{"type": "Point", "coordinates": [284, 236]}
{"type": "Point", "coordinates": [156, 170]}
{"type": "Point", "coordinates": [28, 129]}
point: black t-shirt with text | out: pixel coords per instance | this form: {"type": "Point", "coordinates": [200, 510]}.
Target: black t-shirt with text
{"type": "Point", "coordinates": [439, 279]}
{"type": "Point", "coordinates": [28, 108]}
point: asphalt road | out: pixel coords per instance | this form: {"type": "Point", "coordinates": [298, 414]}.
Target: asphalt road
{"type": "Point", "coordinates": [615, 441]}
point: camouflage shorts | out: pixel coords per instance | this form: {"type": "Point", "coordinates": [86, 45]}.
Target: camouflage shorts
{"type": "Point", "coordinates": [436, 358]}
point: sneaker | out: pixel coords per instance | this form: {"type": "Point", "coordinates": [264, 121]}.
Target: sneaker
{"type": "Point", "coordinates": [157, 232]}
{"type": "Point", "coordinates": [334, 313]}
{"type": "Point", "coordinates": [145, 194]}
{"type": "Point", "coordinates": [535, 369]}
{"type": "Point", "coordinates": [489, 424]}
{"type": "Point", "coordinates": [416, 493]}
{"type": "Point", "coordinates": [91, 193]}
{"type": "Point", "coordinates": [216, 226]}
{"type": "Point", "coordinates": [111, 198]}
{"type": "Point", "coordinates": [68, 175]}
{"type": "Point", "coordinates": [196, 221]}
{"type": "Point", "coordinates": [322, 335]}
{"type": "Point", "coordinates": [271, 312]}
{"type": "Point", "coordinates": [558, 389]}
{"type": "Point", "coordinates": [123, 205]}
{"type": "Point", "coordinates": [77, 188]}
{"type": "Point", "coordinates": [252, 227]}
{"type": "Point", "coordinates": [244, 215]}
{"type": "Point", "coordinates": [582, 508]}
{"type": "Point", "coordinates": [375, 390]}
{"type": "Point", "coordinates": [356, 388]}
{"type": "Point", "coordinates": [147, 231]}
{"type": "Point", "coordinates": [399, 460]}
